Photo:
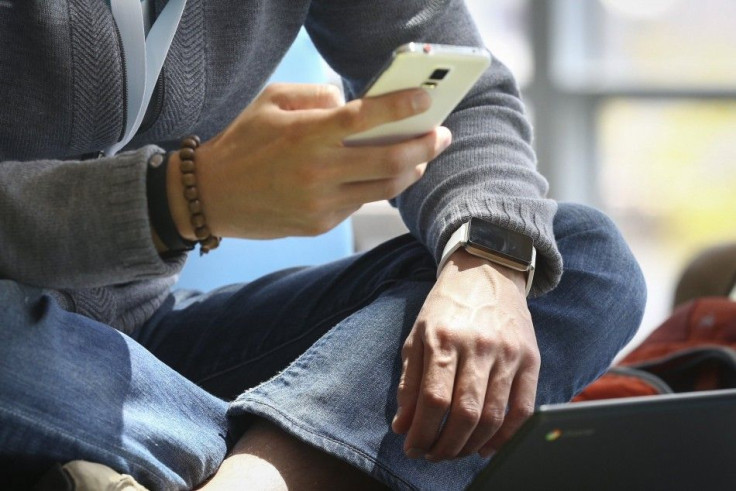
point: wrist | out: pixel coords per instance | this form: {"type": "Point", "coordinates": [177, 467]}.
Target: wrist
{"type": "Point", "coordinates": [462, 262]}
{"type": "Point", "coordinates": [495, 244]}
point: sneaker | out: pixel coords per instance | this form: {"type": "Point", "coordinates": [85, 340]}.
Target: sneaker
{"type": "Point", "coordinates": [80, 475]}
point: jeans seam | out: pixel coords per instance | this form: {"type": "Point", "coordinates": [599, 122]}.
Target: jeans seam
{"type": "Point", "coordinates": [327, 320]}
{"type": "Point", "coordinates": [129, 458]}
{"type": "Point", "coordinates": [341, 443]}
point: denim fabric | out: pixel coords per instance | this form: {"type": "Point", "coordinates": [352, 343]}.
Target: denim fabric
{"type": "Point", "coordinates": [315, 350]}
{"type": "Point", "coordinates": [72, 388]}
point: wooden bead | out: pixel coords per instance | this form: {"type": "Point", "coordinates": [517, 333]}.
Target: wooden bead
{"type": "Point", "coordinates": [211, 242]}
{"type": "Point", "coordinates": [189, 142]}
{"type": "Point", "coordinates": [198, 220]}
{"type": "Point", "coordinates": [202, 232]}
{"type": "Point", "coordinates": [188, 180]}
{"type": "Point", "coordinates": [186, 166]}
{"type": "Point", "coordinates": [186, 154]}
{"type": "Point", "coordinates": [206, 240]}
{"type": "Point", "coordinates": [191, 193]}
{"type": "Point", "coordinates": [195, 206]}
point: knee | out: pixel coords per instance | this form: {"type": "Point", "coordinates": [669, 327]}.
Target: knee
{"type": "Point", "coordinates": [589, 239]}
{"type": "Point", "coordinates": [21, 307]}
{"type": "Point", "coordinates": [577, 222]}
{"type": "Point", "coordinates": [594, 249]}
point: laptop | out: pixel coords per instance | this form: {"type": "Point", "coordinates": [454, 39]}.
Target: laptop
{"type": "Point", "coordinates": [670, 442]}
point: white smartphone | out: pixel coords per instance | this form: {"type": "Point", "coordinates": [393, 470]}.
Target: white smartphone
{"type": "Point", "coordinates": [446, 72]}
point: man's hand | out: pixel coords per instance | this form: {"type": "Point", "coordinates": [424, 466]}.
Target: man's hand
{"type": "Point", "coordinates": [281, 169]}
{"type": "Point", "coordinates": [470, 363]}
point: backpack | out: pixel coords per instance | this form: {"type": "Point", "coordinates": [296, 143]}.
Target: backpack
{"type": "Point", "coordinates": [693, 350]}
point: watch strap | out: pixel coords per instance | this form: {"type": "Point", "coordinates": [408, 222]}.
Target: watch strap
{"type": "Point", "coordinates": [459, 239]}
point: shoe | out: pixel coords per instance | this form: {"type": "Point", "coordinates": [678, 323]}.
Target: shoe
{"type": "Point", "coordinates": [80, 475]}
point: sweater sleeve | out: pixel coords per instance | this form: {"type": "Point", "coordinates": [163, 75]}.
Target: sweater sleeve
{"type": "Point", "coordinates": [78, 224]}
{"type": "Point", "coordinates": [490, 169]}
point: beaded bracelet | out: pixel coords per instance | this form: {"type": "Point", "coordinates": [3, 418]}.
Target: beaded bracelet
{"type": "Point", "coordinates": [206, 240]}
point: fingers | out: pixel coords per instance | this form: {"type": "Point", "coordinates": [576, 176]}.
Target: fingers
{"type": "Point", "coordinates": [477, 411]}
{"type": "Point", "coordinates": [292, 97]}
{"type": "Point", "coordinates": [371, 163]}
{"type": "Point", "coordinates": [466, 407]}
{"type": "Point", "coordinates": [383, 189]}
{"type": "Point", "coordinates": [433, 401]}
{"type": "Point", "coordinates": [493, 414]}
{"type": "Point", "coordinates": [363, 114]}
{"type": "Point", "coordinates": [380, 173]}
{"type": "Point", "coordinates": [521, 407]}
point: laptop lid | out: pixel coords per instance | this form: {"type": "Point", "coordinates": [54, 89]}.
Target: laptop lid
{"type": "Point", "coordinates": [665, 442]}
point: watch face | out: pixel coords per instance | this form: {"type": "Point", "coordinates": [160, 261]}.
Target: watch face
{"type": "Point", "coordinates": [493, 239]}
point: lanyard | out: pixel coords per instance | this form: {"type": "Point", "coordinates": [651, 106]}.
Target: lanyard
{"type": "Point", "coordinates": [144, 56]}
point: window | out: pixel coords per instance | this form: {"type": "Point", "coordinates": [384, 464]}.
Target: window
{"type": "Point", "coordinates": [646, 91]}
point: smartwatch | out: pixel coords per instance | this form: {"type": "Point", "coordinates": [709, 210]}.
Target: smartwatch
{"type": "Point", "coordinates": [496, 244]}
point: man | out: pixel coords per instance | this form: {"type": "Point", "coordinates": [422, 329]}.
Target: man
{"type": "Point", "coordinates": [376, 367]}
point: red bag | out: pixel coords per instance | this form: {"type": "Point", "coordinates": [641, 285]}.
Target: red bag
{"type": "Point", "coordinates": [694, 349]}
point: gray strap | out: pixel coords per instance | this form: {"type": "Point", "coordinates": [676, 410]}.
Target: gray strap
{"type": "Point", "coordinates": [144, 56]}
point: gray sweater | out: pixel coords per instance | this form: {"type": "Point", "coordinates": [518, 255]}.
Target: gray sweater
{"type": "Point", "coordinates": [80, 228]}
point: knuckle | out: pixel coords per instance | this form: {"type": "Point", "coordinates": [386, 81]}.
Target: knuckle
{"type": "Point", "coordinates": [391, 188]}
{"type": "Point", "coordinates": [533, 357]}
{"type": "Point", "coordinates": [484, 344]}
{"type": "Point", "coordinates": [400, 107]}
{"type": "Point", "coordinates": [405, 389]}
{"type": "Point", "coordinates": [332, 93]}
{"type": "Point", "coordinates": [493, 418]}
{"type": "Point", "coordinates": [397, 158]}
{"type": "Point", "coordinates": [350, 117]}
{"type": "Point", "coordinates": [446, 337]}
{"type": "Point", "coordinates": [308, 175]}
{"type": "Point", "coordinates": [435, 399]}
{"type": "Point", "coordinates": [510, 351]}
{"type": "Point", "coordinates": [407, 349]}
{"type": "Point", "coordinates": [272, 90]}
{"type": "Point", "coordinates": [403, 386]}
{"type": "Point", "coordinates": [468, 414]}
{"type": "Point", "coordinates": [522, 412]}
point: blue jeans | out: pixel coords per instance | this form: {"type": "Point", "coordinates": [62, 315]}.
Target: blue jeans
{"type": "Point", "coordinates": [314, 350]}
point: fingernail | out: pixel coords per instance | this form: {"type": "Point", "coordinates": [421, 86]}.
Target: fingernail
{"type": "Point", "coordinates": [421, 101]}
{"type": "Point", "coordinates": [446, 140]}
{"type": "Point", "coordinates": [415, 453]}
{"type": "Point", "coordinates": [396, 417]}
{"type": "Point", "coordinates": [445, 143]}
{"type": "Point", "coordinates": [487, 453]}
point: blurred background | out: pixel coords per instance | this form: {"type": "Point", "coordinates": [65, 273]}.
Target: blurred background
{"type": "Point", "coordinates": [634, 108]}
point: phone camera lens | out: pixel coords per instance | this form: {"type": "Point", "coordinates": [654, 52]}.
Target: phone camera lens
{"type": "Point", "coordinates": [439, 73]}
